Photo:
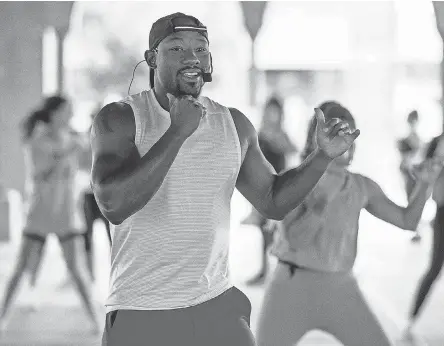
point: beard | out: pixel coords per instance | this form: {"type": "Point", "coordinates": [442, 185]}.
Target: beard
{"type": "Point", "coordinates": [185, 88]}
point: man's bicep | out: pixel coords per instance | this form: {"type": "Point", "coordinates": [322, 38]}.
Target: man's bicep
{"type": "Point", "coordinates": [112, 143]}
{"type": "Point", "coordinates": [256, 175]}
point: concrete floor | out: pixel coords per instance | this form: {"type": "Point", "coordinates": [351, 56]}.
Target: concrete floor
{"type": "Point", "coordinates": [388, 269]}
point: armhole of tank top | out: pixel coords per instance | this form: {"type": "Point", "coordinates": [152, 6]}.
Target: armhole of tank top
{"type": "Point", "coordinates": [362, 184]}
{"type": "Point", "coordinates": [236, 134]}
{"type": "Point", "coordinates": [138, 134]}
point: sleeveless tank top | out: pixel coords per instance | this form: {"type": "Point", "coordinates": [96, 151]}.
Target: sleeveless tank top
{"type": "Point", "coordinates": [173, 253]}
{"type": "Point", "coordinates": [324, 237]}
{"type": "Point", "coordinates": [51, 202]}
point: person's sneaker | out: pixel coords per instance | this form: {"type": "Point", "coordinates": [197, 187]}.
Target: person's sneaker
{"type": "Point", "coordinates": [32, 306]}
{"type": "Point", "coordinates": [416, 238]}
{"type": "Point", "coordinates": [407, 334]}
{"type": "Point", "coordinates": [66, 284]}
{"type": "Point", "coordinates": [257, 280]}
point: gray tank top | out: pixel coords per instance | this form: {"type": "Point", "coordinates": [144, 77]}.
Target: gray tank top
{"type": "Point", "coordinates": [173, 253]}
{"type": "Point", "coordinates": [325, 240]}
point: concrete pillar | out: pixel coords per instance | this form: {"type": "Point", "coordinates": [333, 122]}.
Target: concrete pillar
{"type": "Point", "coordinates": [61, 36]}
{"type": "Point", "coordinates": [20, 83]}
{"type": "Point", "coordinates": [20, 91]}
{"type": "Point", "coordinates": [253, 12]}
{"type": "Point", "coordinates": [21, 30]}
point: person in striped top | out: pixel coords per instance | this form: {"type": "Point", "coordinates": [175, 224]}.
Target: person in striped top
{"type": "Point", "coordinates": [165, 165]}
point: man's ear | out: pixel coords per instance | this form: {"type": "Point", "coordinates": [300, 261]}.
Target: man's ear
{"type": "Point", "coordinates": [150, 58]}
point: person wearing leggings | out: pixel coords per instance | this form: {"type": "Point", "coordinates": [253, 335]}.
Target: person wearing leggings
{"type": "Point", "coordinates": [436, 150]}
{"type": "Point", "coordinates": [313, 286]}
{"type": "Point", "coordinates": [410, 149]}
{"type": "Point", "coordinates": [91, 210]}
{"type": "Point", "coordinates": [275, 145]}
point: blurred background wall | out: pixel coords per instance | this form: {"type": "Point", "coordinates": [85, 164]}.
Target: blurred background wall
{"type": "Point", "coordinates": [380, 59]}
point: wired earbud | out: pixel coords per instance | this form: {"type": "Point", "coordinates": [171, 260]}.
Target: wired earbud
{"type": "Point", "coordinates": [134, 71]}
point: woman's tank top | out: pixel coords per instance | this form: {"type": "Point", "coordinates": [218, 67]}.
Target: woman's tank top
{"type": "Point", "coordinates": [324, 235]}
{"type": "Point", "coordinates": [51, 199]}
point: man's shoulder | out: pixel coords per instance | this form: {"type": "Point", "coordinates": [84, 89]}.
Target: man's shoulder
{"type": "Point", "coordinates": [240, 119]}
{"type": "Point", "coordinates": [141, 96]}
{"type": "Point", "coordinates": [115, 117]}
{"type": "Point", "coordinates": [245, 129]}
{"type": "Point", "coordinates": [212, 105]}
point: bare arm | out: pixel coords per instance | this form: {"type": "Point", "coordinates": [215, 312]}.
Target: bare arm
{"type": "Point", "coordinates": [274, 195]}
{"type": "Point", "coordinates": [44, 162]}
{"type": "Point", "coordinates": [288, 146]}
{"type": "Point", "coordinates": [122, 181]}
{"type": "Point", "coordinates": [383, 208]}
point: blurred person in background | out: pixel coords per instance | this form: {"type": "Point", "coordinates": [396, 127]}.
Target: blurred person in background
{"type": "Point", "coordinates": [35, 259]}
{"type": "Point", "coordinates": [90, 208]}
{"type": "Point", "coordinates": [410, 148]}
{"type": "Point", "coordinates": [276, 145]}
{"type": "Point", "coordinates": [165, 164]}
{"type": "Point", "coordinates": [51, 153]}
{"type": "Point", "coordinates": [313, 286]}
{"type": "Point", "coordinates": [434, 150]}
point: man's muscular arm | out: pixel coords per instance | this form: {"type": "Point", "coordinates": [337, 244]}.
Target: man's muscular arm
{"type": "Point", "coordinates": [122, 181]}
{"type": "Point", "coordinates": [274, 195]}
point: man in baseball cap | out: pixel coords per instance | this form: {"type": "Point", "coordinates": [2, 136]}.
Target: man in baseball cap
{"type": "Point", "coordinates": [165, 165]}
{"type": "Point", "coordinates": [165, 28]}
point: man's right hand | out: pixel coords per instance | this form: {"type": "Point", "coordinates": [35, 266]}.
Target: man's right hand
{"type": "Point", "coordinates": [186, 113]}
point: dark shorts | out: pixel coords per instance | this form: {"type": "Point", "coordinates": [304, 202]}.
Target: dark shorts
{"type": "Point", "coordinates": [42, 238]}
{"type": "Point", "coordinates": [221, 321]}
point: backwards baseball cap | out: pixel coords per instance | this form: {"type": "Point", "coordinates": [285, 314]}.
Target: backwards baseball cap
{"type": "Point", "coordinates": [170, 24]}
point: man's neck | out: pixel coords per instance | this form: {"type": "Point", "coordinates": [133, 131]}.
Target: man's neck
{"type": "Point", "coordinates": [160, 94]}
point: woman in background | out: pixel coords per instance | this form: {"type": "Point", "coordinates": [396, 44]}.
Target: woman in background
{"type": "Point", "coordinates": [435, 150]}
{"type": "Point", "coordinates": [313, 286]}
{"type": "Point", "coordinates": [91, 211]}
{"type": "Point", "coordinates": [276, 146]}
{"type": "Point", "coordinates": [410, 150]}
{"type": "Point", "coordinates": [51, 150]}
